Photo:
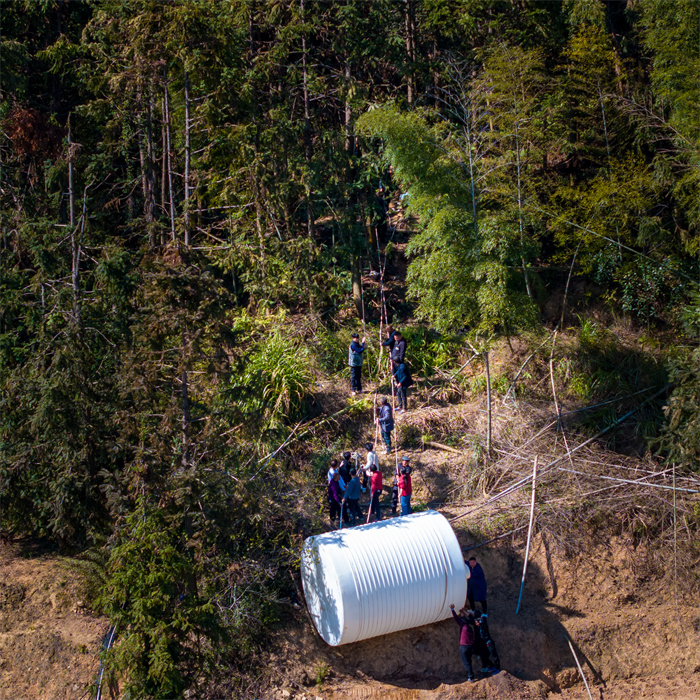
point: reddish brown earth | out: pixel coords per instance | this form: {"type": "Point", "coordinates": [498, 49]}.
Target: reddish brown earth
{"type": "Point", "coordinates": [49, 644]}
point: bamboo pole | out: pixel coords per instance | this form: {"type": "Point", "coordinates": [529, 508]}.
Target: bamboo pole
{"type": "Point", "coordinates": [578, 665]}
{"type": "Point", "coordinates": [529, 533]}
{"type": "Point", "coordinates": [525, 480]}
{"type": "Point", "coordinates": [488, 399]}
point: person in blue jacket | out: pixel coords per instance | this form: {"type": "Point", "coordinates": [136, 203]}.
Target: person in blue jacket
{"type": "Point", "coordinates": [355, 358]}
{"type": "Point", "coordinates": [476, 585]}
{"type": "Point", "coordinates": [351, 498]}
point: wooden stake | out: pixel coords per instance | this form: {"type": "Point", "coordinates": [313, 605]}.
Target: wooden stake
{"type": "Point", "coordinates": [529, 533]}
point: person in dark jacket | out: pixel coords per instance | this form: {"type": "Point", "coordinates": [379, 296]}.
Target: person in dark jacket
{"type": "Point", "coordinates": [402, 379]}
{"type": "Point", "coordinates": [390, 339]}
{"type": "Point", "coordinates": [351, 499]}
{"type": "Point", "coordinates": [398, 352]}
{"type": "Point", "coordinates": [476, 586]}
{"type": "Point", "coordinates": [355, 358]}
{"type": "Point", "coordinates": [333, 469]}
{"type": "Point", "coordinates": [485, 645]}
{"type": "Point", "coordinates": [335, 497]}
{"type": "Point", "coordinates": [385, 418]}
{"type": "Point", "coordinates": [467, 639]}
{"type": "Point", "coordinates": [395, 495]}
{"type": "Point", "coordinates": [344, 468]}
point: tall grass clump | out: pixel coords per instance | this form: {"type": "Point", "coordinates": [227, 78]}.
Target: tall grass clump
{"type": "Point", "coordinates": [277, 377]}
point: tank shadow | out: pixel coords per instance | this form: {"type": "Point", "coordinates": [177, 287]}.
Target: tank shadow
{"type": "Point", "coordinates": [532, 644]}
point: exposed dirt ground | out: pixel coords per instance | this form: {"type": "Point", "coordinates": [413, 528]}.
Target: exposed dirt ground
{"type": "Point", "coordinates": [49, 644]}
{"type": "Point", "coordinates": [634, 633]}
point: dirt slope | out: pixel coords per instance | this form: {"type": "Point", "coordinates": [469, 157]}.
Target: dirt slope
{"type": "Point", "coordinates": [49, 646]}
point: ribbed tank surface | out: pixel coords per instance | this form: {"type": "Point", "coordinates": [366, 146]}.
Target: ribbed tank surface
{"type": "Point", "coordinates": [375, 579]}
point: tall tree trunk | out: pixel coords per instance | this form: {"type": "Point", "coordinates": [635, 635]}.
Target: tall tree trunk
{"type": "Point", "coordinates": [168, 151]}
{"type": "Point", "coordinates": [349, 134]}
{"type": "Point", "coordinates": [145, 140]}
{"type": "Point", "coordinates": [75, 238]}
{"type": "Point", "coordinates": [520, 208]}
{"type": "Point", "coordinates": [185, 403]}
{"type": "Point", "coordinates": [356, 273]}
{"type": "Point", "coordinates": [311, 229]}
{"type": "Point", "coordinates": [188, 157]}
{"type": "Point", "coordinates": [164, 167]}
{"type": "Point", "coordinates": [71, 184]}
{"type": "Point", "coordinates": [410, 25]}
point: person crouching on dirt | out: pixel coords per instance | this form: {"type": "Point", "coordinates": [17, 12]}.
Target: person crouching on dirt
{"type": "Point", "coordinates": [355, 357]}
{"type": "Point", "coordinates": [385, 418]}
{"type": "Point", "coordinates": [335, 497]}
{"type": "Point", "coordinates": [376, 491]}
{"type": "Point", "coordinates": [467, 639]}
{"type": "Point", "coordinates": [405, 486]}
{"type": "Point", "coordinates": [402, 379]}
{"type": "Point", "coordinates": [485, 645]}
{"type": "Point", "coordinates": [351, 499]}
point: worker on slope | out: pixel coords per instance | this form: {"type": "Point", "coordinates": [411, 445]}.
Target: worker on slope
{"type": "Point", "coordinates": [476, 590]}
{"type": "Point", "coordinates": [351, 498]}
{"type": "Point", "coordinates": [371, 459]}
{"type": "Point", "coordinates": [344, 467]}
{"type": "Point", "coordinates": [405, 486]}
{"type": "Point", "coordinates": [390, 339]}
{"type": "Point", "coordinates": [376, 491]}
{"type": "Point", "coordinates": [335, 498]}
{"type": "Point", "coordinates": [467, 639]}
{"type": "Point", "coordinates": [332, 471]}
{"type": "Point", "coordinates": [398, 352]}
{"type": "Point", "coordinates": [485, 645]}
{"type": "Point", "coordinates": [355, 358]}
{"type": "Point", "coordinates": [385, 418]}
{"type": "Point", "coordinates": [402, 380]}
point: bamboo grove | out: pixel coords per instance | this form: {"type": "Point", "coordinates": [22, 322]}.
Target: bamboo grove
{"type": "Point", "coordinates": [177, 178]}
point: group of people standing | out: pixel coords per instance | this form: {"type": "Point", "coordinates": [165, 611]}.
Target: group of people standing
{"type": "Point", "coordinates": [347, 482]}
{"type": "Point", "coordinates": [396, 345]}
{"type": "Point", "coordinates": [474, 634]}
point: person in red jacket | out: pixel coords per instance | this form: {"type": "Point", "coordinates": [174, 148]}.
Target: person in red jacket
{"type": "Point", "coordinates": [467, 639]}
{"type": "Point", "coordinates": [405, 486]}
{"type": "Point", "coordinates": [375, 485]}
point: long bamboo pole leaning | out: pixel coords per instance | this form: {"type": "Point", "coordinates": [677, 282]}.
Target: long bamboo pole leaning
{"type": "Point", "coordinates": [578, 665]}
{"type": "Point", "coordinates": [529, 533]}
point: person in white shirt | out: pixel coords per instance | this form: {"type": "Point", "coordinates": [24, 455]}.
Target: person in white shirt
{"type": "Point", "coordinates": [371, 459]}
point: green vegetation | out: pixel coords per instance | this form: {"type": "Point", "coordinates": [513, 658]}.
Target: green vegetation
{"type": "Point", "coordinates": [201, 200]}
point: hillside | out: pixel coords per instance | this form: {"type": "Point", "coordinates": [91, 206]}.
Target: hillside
{"type": "Point", "coordinates": [203, 202]}
{"type": "Point", "coordinates": [615, 595]}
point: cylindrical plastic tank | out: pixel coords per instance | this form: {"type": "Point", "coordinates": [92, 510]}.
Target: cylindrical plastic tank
{"type": "Point", "coordinates": [374, 579]}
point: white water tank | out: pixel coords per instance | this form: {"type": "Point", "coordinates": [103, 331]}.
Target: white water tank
{"type": "Point", "coordinates": [374, 579]}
